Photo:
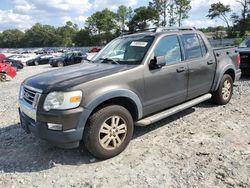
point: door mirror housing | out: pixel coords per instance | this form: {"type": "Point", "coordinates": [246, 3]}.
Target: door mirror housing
{"type": "Point", "coordinates": [157, 62]}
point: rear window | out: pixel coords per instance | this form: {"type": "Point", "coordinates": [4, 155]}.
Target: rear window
{"type": "Point", "coordinates": [192, 46]}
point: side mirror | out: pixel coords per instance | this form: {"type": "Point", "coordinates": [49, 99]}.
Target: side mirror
{"type": "Point", "coordinates": [157, 63]}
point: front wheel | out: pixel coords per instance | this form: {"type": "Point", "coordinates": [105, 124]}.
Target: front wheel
{"type": "Point", "coordinates": [60, 64]}
{"type": "Point", "coordinates": [224, 93]}
{"type": "Point", "coordinates": [108, 131]}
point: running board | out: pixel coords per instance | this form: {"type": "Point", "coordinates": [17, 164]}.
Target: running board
{"type": "Point", "coordinates": [161, 115]}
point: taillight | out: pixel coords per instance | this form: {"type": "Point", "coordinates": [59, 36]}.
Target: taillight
{"type": "Point", "coordinates": [238, 59]}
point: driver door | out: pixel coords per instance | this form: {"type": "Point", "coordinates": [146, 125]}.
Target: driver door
{"type": "Point", "coordinates": [166, 86]}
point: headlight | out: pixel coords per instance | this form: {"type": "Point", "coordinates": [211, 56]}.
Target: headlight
{"type": "Point", "coordinates": [21, 92]}
{"type": "Point", "coordinates": [62, 100]}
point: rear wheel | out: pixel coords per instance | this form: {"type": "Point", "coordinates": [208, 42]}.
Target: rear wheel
{"type": "Point", "coordinates": [2, 77]}
{"type": "Point", "coordinates": [224, 92]}
{"type": "Point", "coordinates": [108, 131]}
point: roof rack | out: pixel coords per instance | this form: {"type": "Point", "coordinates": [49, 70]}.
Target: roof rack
{"type": "Point", "coordinates": [139, 30]}
{"type": "Point", "coordinates": [160, 29]}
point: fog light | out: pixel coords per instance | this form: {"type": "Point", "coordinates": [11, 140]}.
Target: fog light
{"type": "Point", "coordinates": [56, 127]}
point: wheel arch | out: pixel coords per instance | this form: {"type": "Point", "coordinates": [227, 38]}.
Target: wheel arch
{"type": "Point", "coordinates": [229, 69]}
{"type": "Point", "coordinates": [230, 72]}
{"type": "Point", "coordinates": [126, 98]}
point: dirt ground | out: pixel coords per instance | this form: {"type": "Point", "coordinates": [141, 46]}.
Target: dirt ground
{"type": "Point", "coordinates": [204, 146]}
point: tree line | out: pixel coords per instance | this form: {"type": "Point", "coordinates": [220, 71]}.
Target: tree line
{"type": "Point", "coordinates": [103, 26]}
{"type": "Point", "coordinates": [240, 20]}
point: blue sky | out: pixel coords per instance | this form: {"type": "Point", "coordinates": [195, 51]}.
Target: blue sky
{"type": "Point", "coordinates": [22, 14]}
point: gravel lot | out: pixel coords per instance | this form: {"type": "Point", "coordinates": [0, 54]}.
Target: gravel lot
{"type": "Point", "coordinates": [204, 146]}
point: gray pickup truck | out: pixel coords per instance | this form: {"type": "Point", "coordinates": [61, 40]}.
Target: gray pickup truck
{"type": "Point", "coordinates": [137, 79]}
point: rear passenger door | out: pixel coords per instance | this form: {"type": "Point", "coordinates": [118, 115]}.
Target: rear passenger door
{"type": "Point", "coordinates": [201, 65]}
{"type": "Point", "coordinates": [78, 58]}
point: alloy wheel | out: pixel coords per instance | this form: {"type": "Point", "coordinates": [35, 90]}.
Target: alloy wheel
{"type": "Point", "coordinates": [226, 90]}
{"type": "Point", "coordinates": [113, 132]}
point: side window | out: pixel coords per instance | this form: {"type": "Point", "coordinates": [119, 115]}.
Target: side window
{"type": "Point", "coordinates": [192, 46]}
{"type": "Point", "coordinates": [203, 46]}
{"type": "Point", "coordinates": [169, 47]}
{"type": "Point", "coordinates": [248, 43]}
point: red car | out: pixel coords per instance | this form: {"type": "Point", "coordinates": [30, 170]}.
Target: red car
{"type": "Point", "coordinates": [6, 70]}
{"type": "Point", "coordinates": [94, 50]}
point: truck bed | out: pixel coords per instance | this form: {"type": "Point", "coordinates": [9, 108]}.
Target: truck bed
{"type": "Point", "coordinates": [232, 52]}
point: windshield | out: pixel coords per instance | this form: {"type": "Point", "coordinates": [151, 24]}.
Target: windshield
{"type": "Point", "coordinates": [245, 43]}
{"type": "Point", "coordinates": [126, 50]}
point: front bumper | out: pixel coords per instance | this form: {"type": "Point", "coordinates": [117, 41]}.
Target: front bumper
{"type": "Point", "coordinates": [37, 123]}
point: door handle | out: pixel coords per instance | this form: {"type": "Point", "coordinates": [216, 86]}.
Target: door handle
{"type": "Point", "coordinates": [210, 62]}
{"type": "Point", "coordinates": [180, 69]}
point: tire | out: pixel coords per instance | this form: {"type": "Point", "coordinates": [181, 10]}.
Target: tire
{"type": "Point", "coordinates": [60, 64]}
{"type": "Point", "coordinates": [102, 138]}
{"type": "Point", "coordinates": [224, 93]}
{"type": "Point", "coordinates": [3, 77]}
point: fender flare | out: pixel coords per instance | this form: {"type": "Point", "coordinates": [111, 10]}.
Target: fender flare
{"type": "Point", "coordinates": [221, 74]}
{"type": "Point", "coordinates": [90, 106]}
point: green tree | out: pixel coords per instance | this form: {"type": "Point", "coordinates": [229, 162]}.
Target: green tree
{"type": "Point", "coordinates": [241, 21]}
{"type": "Point", "coordinates": [182, 9]}
{"type": "Point", "coordinates": [101, 22]}
{"type": "Point", "coordinates": [172, 15]}
{"type": "Point", "coordinates": [160, 6]}
{"type": "Point", "coordinates": [84, 38]}
{"type": "Point", "coordinates": [122, 16]}
{"type": "Point", "coordinates": [142, 18]}
{"type": "Point", "coordinates": [40, 36]}
{"type": "Point", "coordinates": [11, 38]}
{"type": "Point", "coordinates": [67, 33]}
{"type": "Point", "coordinates": [130, 14]}
{"type": "Point", "coordinates": [102, 26]}
{"type": "Point", "coordinates": [219, 10]}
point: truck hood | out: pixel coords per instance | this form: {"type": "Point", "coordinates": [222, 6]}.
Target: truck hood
{"type": "Point", "coordinates": [67, 77]}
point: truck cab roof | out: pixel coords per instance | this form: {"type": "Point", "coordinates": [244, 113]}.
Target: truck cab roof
{"type": "Point", "coordinates": [160, 31]}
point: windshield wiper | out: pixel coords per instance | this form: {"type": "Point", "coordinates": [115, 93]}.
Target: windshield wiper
{"type": "Point", "coordinates": [108, 59]}
{"type": "Point", "coordinates": [88, 60]}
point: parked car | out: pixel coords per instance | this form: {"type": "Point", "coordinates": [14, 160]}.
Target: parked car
{"type": "Point", "coordinates": [39, 60]}
{"type": "Point", "coordinates": [39, 52]}
{"type": "Point", "coordinates": [6, 70]}
{"type": "Point", "coordinates": [14, 63]}
{"type": "Point", "coordinates": [244, 50]}
{"type": "Point", "coordinates": [94, 50]}
{"type": "Point", "coordinates": [68, 59]}
{"type": "Point", "coordinates": [160, 73]}
{"type": "Point", "coordinates": [22, 57]}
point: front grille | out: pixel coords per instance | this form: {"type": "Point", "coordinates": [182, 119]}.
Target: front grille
{"type": "Point", "coordinates": [31, 96]}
